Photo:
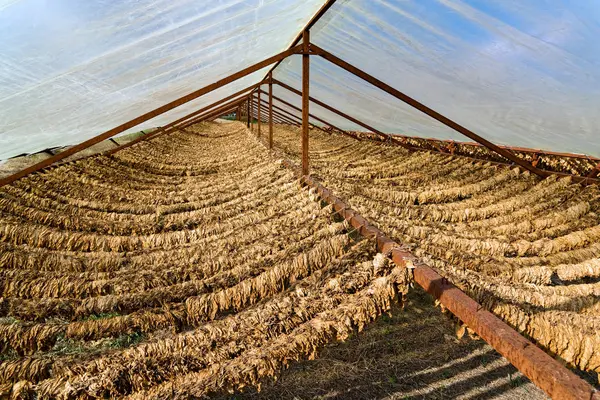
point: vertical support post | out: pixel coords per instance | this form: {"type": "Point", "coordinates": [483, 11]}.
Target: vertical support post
{"type": "Point", "coordinates": [305, 99]}
{"type": "Point", "coordinates": [270, 110]}
{"type": "Point", "coordinates": [248, 113]}
{"type": "Point", "coordinates": [238, 113]}
{"type": "Point", "coordinates": [258, 112]}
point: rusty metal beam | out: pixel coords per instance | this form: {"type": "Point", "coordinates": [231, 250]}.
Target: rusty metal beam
{"type": "Point", "coordinates": [184, 120]}
{"type": "Point", "coordinates": [203, 116]}
{"type": "Point", "coordinates": [583, 180]}
{"type": "Point", "coordinates": [168, 128]}
{"type": "Point", "coordinates": [248, 112]}
{"type": "Point", "coordinates": [521, 149]}
{"type": "Point", "coordinates": [270, 111]}
{"type": "Point", "coordinates": [278, 120]}
{"type": "Point", "coordinates": [319, 14]}
{"type": "Point", "coordinates": [211, 116]}
{"type": "Point", "coordinates": [348, 117]}
{"type": "Point", "coordinates": [286, 119]}
{"type": "Point", "coordinates": [171, 129]}
{"type": "Point", "coordinates": [547, 373]}
{"type": "Point", "coordinates": [287, 122]}
{"type": "Point", "coordinates": [237, 100]}
{"type": "Point", "coordinates": [151, 114]}
{"type": "Point", "coordinates": [196, 114]}
{"type": "Point", "coordinates": [217, 115]}
{"type": "Point", "coordinates": [259, 116]}
{"type": "Point", "coordinates": [281, 118]}
{"type": "Point", "coordinates": [305, 102]}
{"type": "Point", "coordinates": [182, 130]}
{"type": "Point", "coordinates": [287, 113]}
{"type": "Point", "coordinates": [295, 117]}
{"type": "Point", "coordinates": [526, 150]}
{"type": "Point", "coordinates": [285, 116]}
{"type": "Point", "coordinates": [227, 106]}
{"type": "Point", "coordinates": [283, 113]}
{"type": "Point", "coordinates": [315, 118]}
{"type": "Point", "coordinates": [426, 110]}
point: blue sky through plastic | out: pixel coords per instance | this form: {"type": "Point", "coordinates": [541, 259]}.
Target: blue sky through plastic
{"type": "Point", "coordinates": [522, 73]}
{"type": "Point", "coordinates": [71, 69]}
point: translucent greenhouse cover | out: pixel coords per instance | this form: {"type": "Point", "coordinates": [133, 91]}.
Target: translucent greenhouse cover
{"type": "Point", "coordinates": [517, 72]}
{"type": "Point", "coordinates": [520, 73]}
{"type": "Point", "coordinates": [72, 69]}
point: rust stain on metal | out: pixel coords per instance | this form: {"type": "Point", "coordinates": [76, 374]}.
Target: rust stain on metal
{"type": "Point", "coordinates": [547, 373]}
{"type": "Point", "coordinates": [426, 110]}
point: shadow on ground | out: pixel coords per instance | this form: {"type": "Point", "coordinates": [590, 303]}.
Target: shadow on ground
{"type": "Point", "coordinates": [414, 354]}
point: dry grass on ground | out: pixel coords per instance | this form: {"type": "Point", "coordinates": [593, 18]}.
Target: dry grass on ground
{"type": "Point", "coordinates": [414, 354]}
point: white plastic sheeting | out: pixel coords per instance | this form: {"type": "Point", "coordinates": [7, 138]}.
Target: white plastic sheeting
{"type": "Point", "coordinates": [71, 69]}
{"type": "Point", "coordinates": [520, 73]}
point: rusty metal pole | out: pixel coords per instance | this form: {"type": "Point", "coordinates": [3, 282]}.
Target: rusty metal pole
{"type": "Point", "coordinates": [305, 100]}
{"type": "Point", "coordinates": [248, 112]}
{"type": "Point", "coordinates": [310, 24]}
{"type": "Point", "coordinates": [200, 117]}
{"type": "Point", "coordinates": [270, 111]}
{"type": "Point", "coordinates": [258, 113]}
{"type": "Point", "coordinates": [343, 132]}
{"type": "Point", "coordinates": [348, 117]}
{"type": "Point", "coordinates": [548, 374]}
{"type": "Point", "coordinates": [189, 119]}
{"type": "Point", "coordinates": [280, 113]}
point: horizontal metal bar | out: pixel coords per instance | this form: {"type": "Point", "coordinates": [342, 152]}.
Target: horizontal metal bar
{"type": "Point", "coordinates": [426, 110]}
{"type": "Point", "coordinates": [547, 373]}
{"type": "Point", "coordinates": [315, 118]}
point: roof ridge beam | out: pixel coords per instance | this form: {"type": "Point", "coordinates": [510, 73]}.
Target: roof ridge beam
{"type": "Point", "coordinates": [308, 26]}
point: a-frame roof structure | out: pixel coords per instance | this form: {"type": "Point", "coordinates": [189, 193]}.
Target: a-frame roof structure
{"type": "Point", "coordinates": [517, 74]}
{"type": "Point", "coordinates": [442, 69]}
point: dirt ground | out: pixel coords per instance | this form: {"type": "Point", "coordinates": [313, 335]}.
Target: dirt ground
{"type": "Point", "coordinates": [414, 354]}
